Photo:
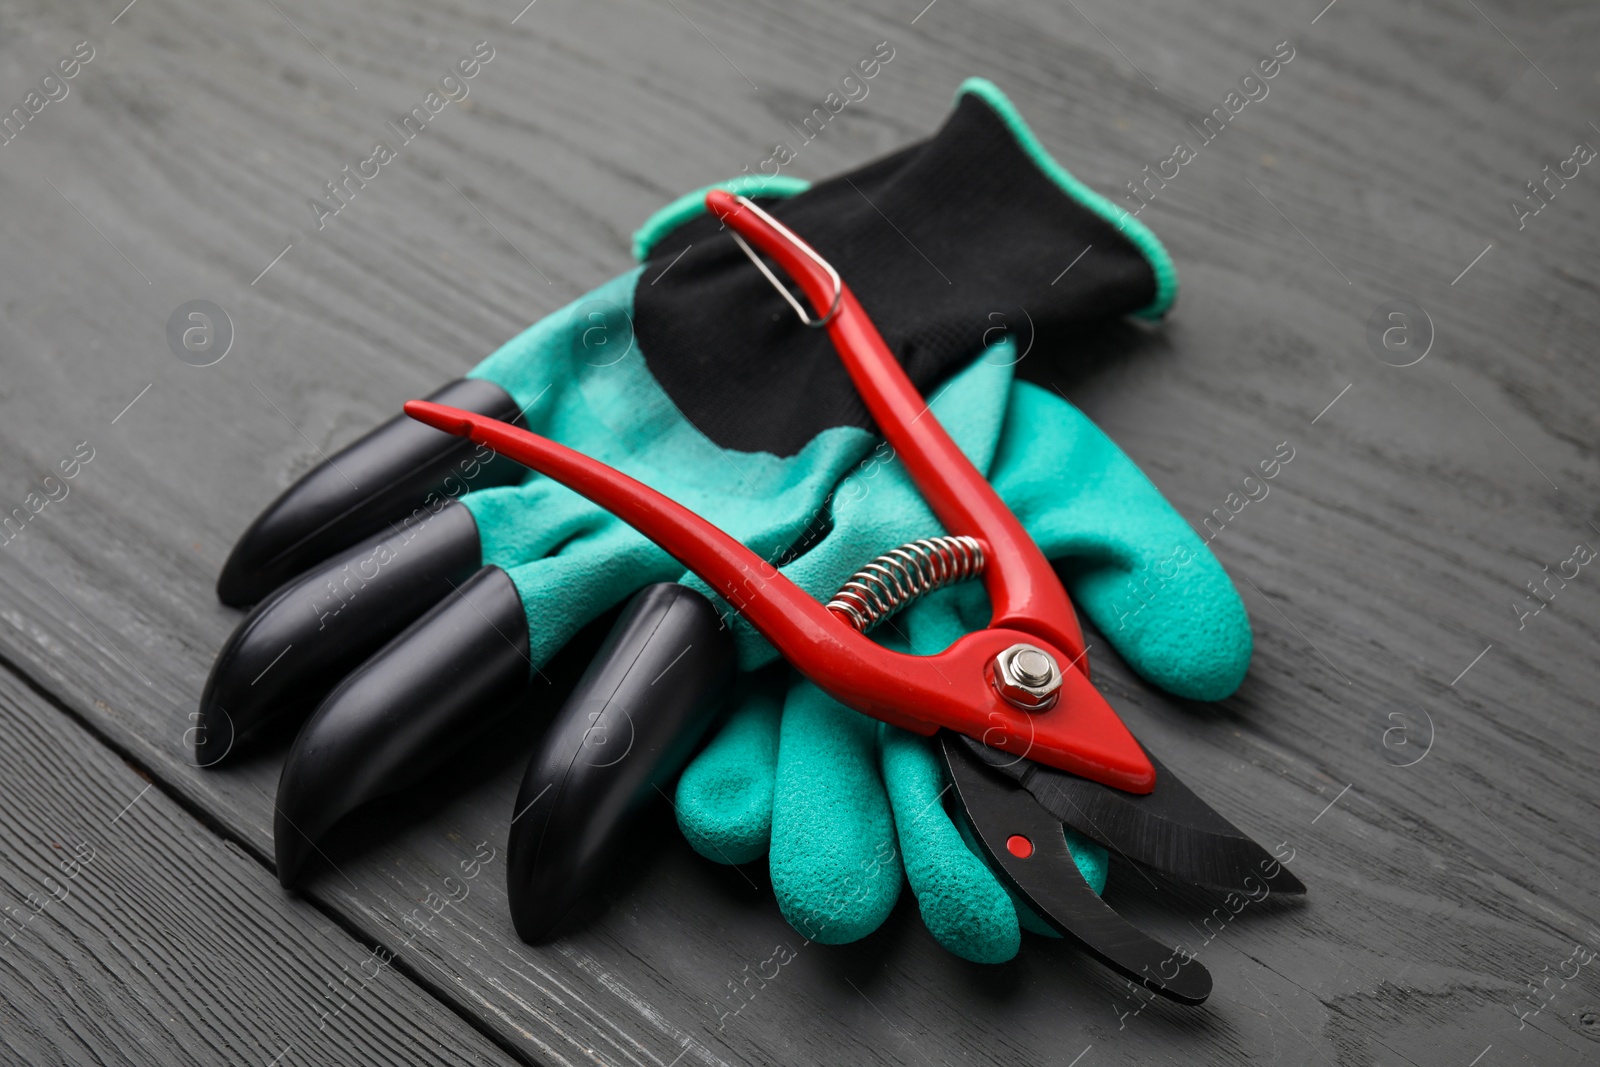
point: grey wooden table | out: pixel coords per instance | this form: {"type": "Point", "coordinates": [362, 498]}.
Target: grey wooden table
{"type": "Point", "coordinates": [1411, 728]}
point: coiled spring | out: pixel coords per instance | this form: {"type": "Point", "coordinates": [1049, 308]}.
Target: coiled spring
{"type": "Point", "coordinates": [900, 576]}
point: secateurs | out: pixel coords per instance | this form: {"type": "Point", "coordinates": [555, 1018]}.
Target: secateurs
{"type": "Point", "coordinates": [1028, 742]}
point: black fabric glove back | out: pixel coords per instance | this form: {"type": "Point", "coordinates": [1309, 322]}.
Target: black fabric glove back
{"type": "Point", "coordinates": [945, 243]}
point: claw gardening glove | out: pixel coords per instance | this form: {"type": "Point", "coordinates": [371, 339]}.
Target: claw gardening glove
{"type": "Point", "coordinates": [688, 373]}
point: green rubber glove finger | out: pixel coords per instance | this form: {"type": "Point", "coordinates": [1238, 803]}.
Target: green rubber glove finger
{"type": "Point", "coordinates": [1086, 504]}
{"type": "Point", "coordinates": [835, 866]}
{"type": "Point", "coordinates": [724, 798]}
{"type": "Point", "coordinates": [962, 903]}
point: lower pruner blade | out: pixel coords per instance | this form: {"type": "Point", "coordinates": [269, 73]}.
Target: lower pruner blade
{"type": "Point", "coordinates": [1024, 843]}
{"type": "Point", "coordinates": [1169, 829]}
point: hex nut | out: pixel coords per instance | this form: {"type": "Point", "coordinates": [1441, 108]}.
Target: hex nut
{"type": "Point", "coordinates": [1028, 677]}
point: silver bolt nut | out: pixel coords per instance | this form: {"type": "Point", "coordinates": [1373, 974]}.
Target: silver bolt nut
{"type": "Point", "coordinates": [1028, 677]}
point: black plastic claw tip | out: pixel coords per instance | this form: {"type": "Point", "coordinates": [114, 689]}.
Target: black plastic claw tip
{"type": "Point", "coordinates": [449, 676]}
{"type": "Point", "coordinates": [298, 643]}
{"type": "Point", "coordinates": [363, 488]}
{"type": "Point", "coordinates": [627, 728]}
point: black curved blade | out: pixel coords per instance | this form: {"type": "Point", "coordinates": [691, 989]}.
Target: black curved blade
{"type": "Point", "coordinates": [300, 642]}
{"type": "Point", "coordinates": [449, 676]}
{"type": "Point", "coordinates": [1045, 875]}
{"type": "Point", "coordinates": [628, 727]}
{"type": "Point", "coordinates": [381, 478]}
{"type": "Point", "coordinates": [1170, 829]}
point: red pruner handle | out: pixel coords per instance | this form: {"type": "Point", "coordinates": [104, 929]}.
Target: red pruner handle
{"type": "Point", "coordinates": [1022, 585]}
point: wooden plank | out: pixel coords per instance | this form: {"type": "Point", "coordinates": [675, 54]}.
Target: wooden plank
{"type": "Point", "coordinates": [1385, 560]}
{"type": "Point", "coordinates": [135, 934]}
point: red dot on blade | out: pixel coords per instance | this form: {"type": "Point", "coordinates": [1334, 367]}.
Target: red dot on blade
{"type": "Point", "coordinates": [1019, 846]}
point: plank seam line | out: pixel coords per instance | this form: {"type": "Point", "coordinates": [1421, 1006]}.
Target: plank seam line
{"type": "Point", "coordinates": [226, 837]}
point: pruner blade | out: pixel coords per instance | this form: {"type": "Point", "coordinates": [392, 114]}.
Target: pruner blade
{"type": "Point", "coordinates": [1024, 844]}
{"type": "Point", "coordinates": [1170, 829]}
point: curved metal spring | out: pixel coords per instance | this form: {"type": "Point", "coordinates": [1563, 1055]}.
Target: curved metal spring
{"type": "Point", "coordinates": [901, 575]}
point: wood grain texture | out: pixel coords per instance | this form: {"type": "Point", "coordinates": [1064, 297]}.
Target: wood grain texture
{"type": "Point", "coordinates": [1388, 555]}
{"type": "Point", "coordinates": [134, 934]}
